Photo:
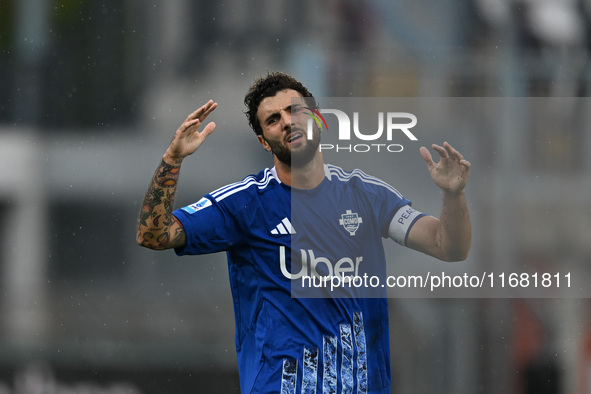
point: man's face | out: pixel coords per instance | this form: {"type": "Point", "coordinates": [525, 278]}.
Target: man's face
{"type": "Point", "coordinates": [284, 125]}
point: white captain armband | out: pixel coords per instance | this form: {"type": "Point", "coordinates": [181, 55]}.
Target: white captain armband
{"type": "Point", "coordinates": [401, 223]}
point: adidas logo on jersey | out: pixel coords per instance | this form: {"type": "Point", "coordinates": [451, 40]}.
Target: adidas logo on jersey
{"type": "Point", "coordinates": [284, 227]}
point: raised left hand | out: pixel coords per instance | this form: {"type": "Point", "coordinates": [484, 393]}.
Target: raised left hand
{"type": "Point", "coordinates": [451, 172]}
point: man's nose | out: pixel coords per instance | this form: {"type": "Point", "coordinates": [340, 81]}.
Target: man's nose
{"type": "Point", "coordinates": [286, 119]}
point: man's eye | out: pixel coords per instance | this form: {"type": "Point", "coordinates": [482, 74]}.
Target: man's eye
{"type": "Point", "coordinates": [295, 110]}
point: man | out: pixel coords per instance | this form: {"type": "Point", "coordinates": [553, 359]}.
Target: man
{"type": "Point", "coordinates": [308, 345]}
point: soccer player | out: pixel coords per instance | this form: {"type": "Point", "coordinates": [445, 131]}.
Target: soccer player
{"type": "Point", "coordinates": [336, 218]}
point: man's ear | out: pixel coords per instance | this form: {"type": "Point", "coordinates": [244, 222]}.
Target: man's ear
{"type": "Point", "coordinates": [264, 143]}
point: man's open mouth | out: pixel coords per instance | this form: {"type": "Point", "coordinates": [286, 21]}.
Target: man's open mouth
{"type": "Point", "coordinates": [294, 136]}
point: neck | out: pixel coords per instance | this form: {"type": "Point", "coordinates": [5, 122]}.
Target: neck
{"type": "Point", "coordinates": [306, 177]}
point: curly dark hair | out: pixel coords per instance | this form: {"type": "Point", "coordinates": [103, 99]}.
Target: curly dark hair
{"type": "Point", "coordinates": [268, 86]}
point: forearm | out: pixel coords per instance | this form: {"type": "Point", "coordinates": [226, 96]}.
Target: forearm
{"type": "Point", "coordinates": [157, 228]}
{"type": "Point", "coordinates": [454, 231]}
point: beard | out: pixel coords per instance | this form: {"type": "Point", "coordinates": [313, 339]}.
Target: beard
{"type": "Point", "coordinates": [300, 157]}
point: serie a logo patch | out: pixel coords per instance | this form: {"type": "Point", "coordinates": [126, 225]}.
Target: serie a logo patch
{"type": "Point", "coordinates": [203, 203]}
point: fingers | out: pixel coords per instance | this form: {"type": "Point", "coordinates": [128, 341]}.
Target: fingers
{"type": "Point", "coordinates": [209, 108]}
{"type": "Point", "coordinates": [448, 152]}
{"type": "Point", "coordinates": [194, 120]}
{"type": "Point", "coordinates": [202, 112]}
{"type": "Point", "coordinates": [453, 153]}
{"type": "Point", "coordinates": [450, 173]}
{"type": "Point", "coordinates": [191, 123]}
{"type": "Point", "coordinates": [208, 129]}
{"type": "Point", "coordinates": [445, 152]}
{"type": "Point", "coordinates": [426, 155]}
{"type": "Point", "coordinates": [187, 138]}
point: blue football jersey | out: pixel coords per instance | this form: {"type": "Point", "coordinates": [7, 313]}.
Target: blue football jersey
{"type": "Point", "coordinates": [294, 335]}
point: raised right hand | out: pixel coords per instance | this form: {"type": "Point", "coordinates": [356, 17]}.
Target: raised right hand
{"type": "Point", "coordinates": [188, 138]}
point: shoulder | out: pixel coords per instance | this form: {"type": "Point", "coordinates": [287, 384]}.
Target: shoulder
{"type": "Point", "coordinates": [358, 179]}
{"type": "Point", "coordinates": [235, 196]}
{"type": "Point", "coordinates": [248, 188]}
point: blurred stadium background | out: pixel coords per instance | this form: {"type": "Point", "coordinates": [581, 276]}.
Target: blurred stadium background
{"type": "Point", "coordinates": [91, 92]}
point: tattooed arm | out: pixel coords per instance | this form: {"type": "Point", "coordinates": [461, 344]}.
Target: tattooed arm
{"type": "Point", "coordinates": [157, 228]}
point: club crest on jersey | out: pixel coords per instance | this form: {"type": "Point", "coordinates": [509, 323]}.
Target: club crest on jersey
{"type": "Point", "coordinates": [350, 221]}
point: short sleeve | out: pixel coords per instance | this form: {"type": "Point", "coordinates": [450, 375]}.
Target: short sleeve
{"type": "Point", "coordinates": [209, 227]}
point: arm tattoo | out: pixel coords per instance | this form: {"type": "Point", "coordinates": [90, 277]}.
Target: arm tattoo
{"type": "Point", "coordinates": [155, 218]}
{"type": "Point", "coordinates": [167, 175]}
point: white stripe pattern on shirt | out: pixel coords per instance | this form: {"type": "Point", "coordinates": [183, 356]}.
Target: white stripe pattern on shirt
{"type": "Point", "coordinates": [249, 181]}
{"type": "Point", "coordinates": [343, 175]}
